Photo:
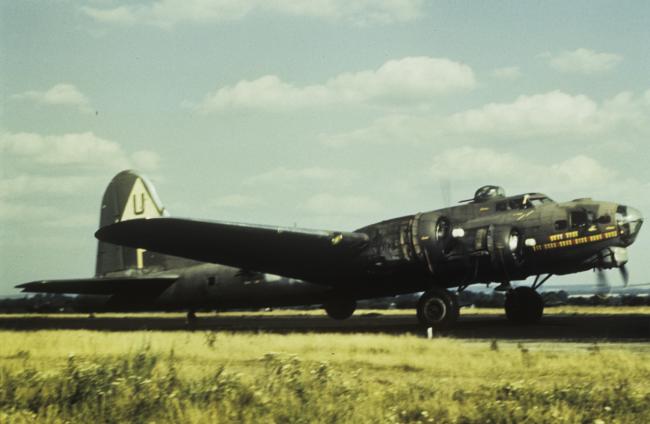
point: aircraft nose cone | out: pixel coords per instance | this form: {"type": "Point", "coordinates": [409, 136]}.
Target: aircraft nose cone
{"type": "Point", "coordinates": [629, 220]}
{"type": "Point", "coordinates": [635, 218]}
{"type": "Point", "coordinates": [634, 214]}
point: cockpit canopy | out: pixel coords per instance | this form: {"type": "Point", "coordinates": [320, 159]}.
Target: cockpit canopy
{"type": "Point", "coordinates": [488, 192]}
{"type": "Point", "coordinates": [497, 195]}
{"type": "Point", "coordinates": [523, 201]}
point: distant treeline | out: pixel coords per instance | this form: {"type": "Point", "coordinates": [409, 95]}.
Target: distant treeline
{"type": "Point", "coordinates": [497, 299]}
{"type": "Point", "coordinates": [50, 303]}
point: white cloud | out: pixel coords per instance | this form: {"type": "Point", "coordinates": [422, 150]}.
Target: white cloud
{"type": "Point", "coordinates": [548, 113]}
{"type": "Point", "coordinates": [408, 80]}
{"type": "Point", "coordinates": [81, 150]}
{"type": "Point", "coordinates": [309, 175]}
{"type": "Point", "coordinates": [573, 177]}
{"type": "Point", "coordinates": [125, 15]}
{"type": "Point", "coordinates": [582, 61]}
{"type": "Point", "coordinates": [25, 185]}
{"type": "Point", "coordinates": [507, 73]}
{"type": "Point", "coordinates": [168, 13]}
{"type": "Point", "coordinates": [22, 212]}
{"type": "Point", "coordinates": [329, 204]}
{"type": "Point", "coordinates": [44, 175]}
{"type": "Point", "coordinates": [61, 95]}
{"type": "Point", "coordinates": [481, 164]}
{"type": "Point", "coordinates": [555, 113]}
{"type": "Point", "coordinates": [551, 114]}
{"type": "Point", "coordinates": [237, 201]}
{"type": "Point", "coordinates": [88, 220]}
{"type": "Point", "coordinates": [391, 129]}
{"type": "Point", "coordinates": [84, 149]}
{"type": "Point", "coordinates": [145, 160]}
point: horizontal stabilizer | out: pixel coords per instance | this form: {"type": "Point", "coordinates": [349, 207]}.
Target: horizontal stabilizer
{"type": "Point", "coordinates": [314, 255]}
{"type": "Point", "coordinates": [135, 286]}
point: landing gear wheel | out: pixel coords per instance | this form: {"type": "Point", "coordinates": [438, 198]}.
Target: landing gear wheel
{"type": "Point", "coordinates": [524, 305]}
{"type": "Point", "coordinates": [438, 308]}
{"type": "Point", "coordinates": [191, 319]}
{"type": "Point", "coordinates": [340, 309]}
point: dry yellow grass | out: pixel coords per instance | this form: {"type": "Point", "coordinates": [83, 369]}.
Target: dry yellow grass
{"type": "Point", "coordinates": [224, 377]}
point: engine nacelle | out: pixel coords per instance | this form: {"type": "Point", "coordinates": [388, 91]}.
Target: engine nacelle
{"type": "Point", "coordinates": [505, 245]}
{"type": "Point", "coordinates": [431, 233]}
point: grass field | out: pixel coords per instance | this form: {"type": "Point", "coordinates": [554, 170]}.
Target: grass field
{"type": "Point", "coordinates": [87, 376]}
{"type": "Point", "coordinates": [561, 310]}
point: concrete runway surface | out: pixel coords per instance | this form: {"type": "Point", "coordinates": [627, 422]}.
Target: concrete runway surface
{"type": "Point", "coordinates": [581, 327]}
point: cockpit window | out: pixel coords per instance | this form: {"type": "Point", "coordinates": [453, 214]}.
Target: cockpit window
{"type": "Point", "coordinates": [526, 201]}
{"type": "Point", "coordinates": [520, 203]}
{"type": "Point", "coordinates": [539, 201]}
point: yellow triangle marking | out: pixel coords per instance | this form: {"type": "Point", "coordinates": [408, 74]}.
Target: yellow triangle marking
{"type": "Point", "coordinates": [140, 204]}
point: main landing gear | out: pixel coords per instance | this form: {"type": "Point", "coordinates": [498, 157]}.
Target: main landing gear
{"type": "Point", "coordinates": [524, 305]}
{"type": "Point", "coordinates": [340, 309]}
{"type": "Point", "coordinates": [438, 308]}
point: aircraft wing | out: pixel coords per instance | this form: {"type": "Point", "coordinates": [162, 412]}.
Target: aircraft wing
{"type": "Point", "coordinates": [135, 286]}
{"type": "Point", "coordinates": [314, 255]}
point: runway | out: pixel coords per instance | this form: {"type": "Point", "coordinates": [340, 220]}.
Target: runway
{"type": "Point", "coordinates": [569, 327]}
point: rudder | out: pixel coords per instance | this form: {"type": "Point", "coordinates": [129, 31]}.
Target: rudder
{"type": "Point", "coordinates": [130, 195]}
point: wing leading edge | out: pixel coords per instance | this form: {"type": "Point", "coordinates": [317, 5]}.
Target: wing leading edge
{"type": "Point", "coordinates": [318, 256]}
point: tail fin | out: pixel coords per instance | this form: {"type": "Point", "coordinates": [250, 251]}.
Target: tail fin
{"type": "Point", "coordinates": [130, 195]}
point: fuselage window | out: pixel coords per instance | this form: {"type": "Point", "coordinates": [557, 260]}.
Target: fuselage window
{"type": "Point", "coordinates": [605, 219]}
{"type": "Point", "coordinates": [562, 224]}
{"type": "Point", "coordinates": [579, 219]}
{"type": "Point", "coordinates": [502, 206]}
{"type": "Point", "coordinates": [211, 281]}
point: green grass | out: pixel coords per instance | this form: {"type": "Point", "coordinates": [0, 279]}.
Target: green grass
{"type": "Point", "coordinates": [86, 376]}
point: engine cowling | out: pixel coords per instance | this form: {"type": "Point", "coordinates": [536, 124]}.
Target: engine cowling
{"type": "Point", "coordinates": [505, 245]}
{"type": "Point", "coordinates": [431, 234]}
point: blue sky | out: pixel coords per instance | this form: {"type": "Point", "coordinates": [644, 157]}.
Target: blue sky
{"type": "Point", "coordinates": [325, 114]}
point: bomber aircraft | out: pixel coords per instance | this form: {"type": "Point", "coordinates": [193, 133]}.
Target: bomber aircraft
{"type": "Point", "coordinates": [490, 238]}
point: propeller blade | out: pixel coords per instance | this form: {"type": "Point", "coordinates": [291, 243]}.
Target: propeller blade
{"type": "Point", "coordinates": [625, 275]}
{"type": "Point", "coordinates": [602, 284]}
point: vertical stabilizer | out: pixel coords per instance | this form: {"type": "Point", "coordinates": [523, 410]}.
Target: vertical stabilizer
{"type": "Point", "coordinates": [130, 195]}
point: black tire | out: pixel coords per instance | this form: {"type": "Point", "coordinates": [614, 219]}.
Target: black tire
{"type": "Point", "coordinates": [438, 308]}
{"type": "Point", "coordinates": [340, 309]}
{"type": "Point", "coordinates": [524, 305]}
{"type": "Point", "coordinates": [191, 319]}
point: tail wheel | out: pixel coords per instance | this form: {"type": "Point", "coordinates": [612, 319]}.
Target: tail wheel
{"type": "Point", "coordinates": [340, 309]}
{"type": "Point", "coordinates": [524, 305]}
{"type": "Point", "coordinates": [190, 319]}
{"type": "Point", "coordinates": [438, 308]}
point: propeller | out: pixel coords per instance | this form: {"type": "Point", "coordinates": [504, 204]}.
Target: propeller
{"type": "Point", "coordinates": [624, 275]}
{"type": "Point", "coordinates": [602, 285]}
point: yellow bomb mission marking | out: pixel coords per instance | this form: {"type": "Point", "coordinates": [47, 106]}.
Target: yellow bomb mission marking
{"type": "Point", "coordinates": [572, 239]}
